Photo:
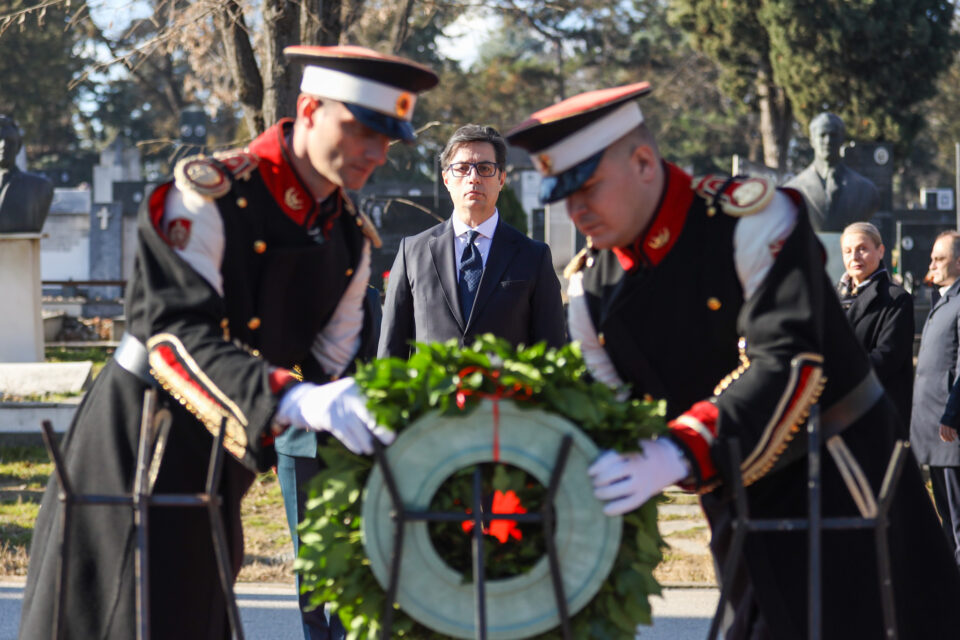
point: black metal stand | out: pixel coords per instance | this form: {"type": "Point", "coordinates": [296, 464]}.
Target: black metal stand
{"type": "Point", "coordinates": [154, 433]}
{"type": "Point", "coordinates": [401, 515]}
{"type": "Point", "coordinates": [815, 524]}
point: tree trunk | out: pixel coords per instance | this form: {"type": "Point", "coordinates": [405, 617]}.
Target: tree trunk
{"type": "Point", "coordinates": [242, 65]}
{"type": "Point", "coordinates": [320, 22]}
{"type": "Point", "coordinates": [281, 25]}
{"type": "Point", "coordinates": [401, 28]}
{"type": "Point", "coordinates": [776, 119]}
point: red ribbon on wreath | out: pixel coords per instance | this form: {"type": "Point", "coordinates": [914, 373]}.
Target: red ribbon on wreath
{"type": "Point", "coordinates": [516, 391]}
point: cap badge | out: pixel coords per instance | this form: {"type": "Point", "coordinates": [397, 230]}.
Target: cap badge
{"type": "Point", "coordinates": [404, 104]}
{"type": "Point", "coordinates": [546, 163]}
{"type": "Point", "coordinates": [291, 198]}
{"type": "Point", "coordinates": [660, 240]}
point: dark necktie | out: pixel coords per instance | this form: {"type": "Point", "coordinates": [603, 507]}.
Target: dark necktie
{"type": "Point", "coordinates": [471, 268]}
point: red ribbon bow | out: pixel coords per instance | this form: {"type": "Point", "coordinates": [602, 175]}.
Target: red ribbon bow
{"type": "Point", "coordinates": [516, 391]}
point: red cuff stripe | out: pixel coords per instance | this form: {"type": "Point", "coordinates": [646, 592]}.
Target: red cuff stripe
{"type": "Point", "coordinates": [703, 416]}
{"type": "Point", "coordinates": [279, 378]}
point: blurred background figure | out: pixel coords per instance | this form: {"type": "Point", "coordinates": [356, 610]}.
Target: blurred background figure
{"type": "Point", "coordinates": [880, 312]}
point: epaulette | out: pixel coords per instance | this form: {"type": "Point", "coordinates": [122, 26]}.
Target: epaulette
{"type": "Point", "coordinates": [738, 196]}
{"type": "Point", "coordinates": [576, 265]}
{"type": "Point", "coordinates": [202, 175]}
{"type": "Point", "coordinates": [366, 225]}
{"type": "Point", "coordinates": [239, 162]}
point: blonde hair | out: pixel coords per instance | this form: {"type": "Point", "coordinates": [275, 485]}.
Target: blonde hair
{"type": "Point", "coordinates": [866, 229]}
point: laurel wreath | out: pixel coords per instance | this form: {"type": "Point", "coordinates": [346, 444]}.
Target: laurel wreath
{"type": "Point", "coordinates": [447, 378]}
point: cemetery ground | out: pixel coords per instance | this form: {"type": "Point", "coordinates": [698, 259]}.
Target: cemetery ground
{"type": "Point", "coordinates": [24, 471]}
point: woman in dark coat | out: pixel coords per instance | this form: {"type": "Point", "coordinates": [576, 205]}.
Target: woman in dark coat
{"type": "Point", "coordinates": [880, 312]}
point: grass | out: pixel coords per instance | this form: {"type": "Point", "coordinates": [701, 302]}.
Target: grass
{"type": "Point", "coordinates": [23, 476]}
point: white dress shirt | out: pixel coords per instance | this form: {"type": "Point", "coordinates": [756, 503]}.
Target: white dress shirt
{"type": "Point", "coordinates": [485, 230]}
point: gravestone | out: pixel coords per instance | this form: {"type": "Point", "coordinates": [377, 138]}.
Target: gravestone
{"type": "Point", "coordinates": [106, 250]}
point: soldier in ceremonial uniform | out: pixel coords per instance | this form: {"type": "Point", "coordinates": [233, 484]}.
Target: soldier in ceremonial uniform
{"type": "Point", "coordinates": [710, 293]}
{"type": "Point", "coordinates": [250, 265]}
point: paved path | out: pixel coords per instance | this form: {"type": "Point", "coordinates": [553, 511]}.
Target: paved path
{"type": "Point", "coordinates": [269, 612]}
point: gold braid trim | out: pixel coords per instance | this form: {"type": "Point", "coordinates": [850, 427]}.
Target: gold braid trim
{"type": "Point", "coordinates": [786, 421]}
{"type": "Point", "coordinates": [736, 373]}
{"type": "Point", "coordinates": [188, 393]}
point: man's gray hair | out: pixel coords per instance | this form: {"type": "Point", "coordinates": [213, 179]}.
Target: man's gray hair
{"type": "Point", "coordinates": [475, 133]}
{"type": "Point", "coordinates": [954, 242]}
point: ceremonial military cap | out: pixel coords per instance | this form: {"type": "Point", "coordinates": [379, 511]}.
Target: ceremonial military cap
{"type": "Point", "coordinates": [567, 140]}
{"type": "Point", "coordinates": [379, 90]}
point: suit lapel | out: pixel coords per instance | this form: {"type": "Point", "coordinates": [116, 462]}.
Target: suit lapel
{"type": "Point", "coordinates": [445, 267]}
{"type": "Point", "coordinates": [502, 249]}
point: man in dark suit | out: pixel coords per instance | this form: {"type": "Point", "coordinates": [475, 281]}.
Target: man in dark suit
{"type": "Point", "coordinates": [836, 195]}
{"type": "Point", "coordinates": [474, 273]}
{"type": "Point", "coordinates": [24, 198]}
{"type": "Point", "coordinates": [933, 429]}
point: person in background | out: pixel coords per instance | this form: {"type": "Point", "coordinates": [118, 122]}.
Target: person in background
{"type": "Point", "coordinates": [474, 273]}
{"type": "Point", "coordinates": [880, 312]}
{"type": "Point", "coordinates": [935, 415]}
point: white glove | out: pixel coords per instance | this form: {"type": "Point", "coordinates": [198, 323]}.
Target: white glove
{"type": "Point", "coordinates": [626, 480]}
{"type": "Point", "coordinates": [337, 407]}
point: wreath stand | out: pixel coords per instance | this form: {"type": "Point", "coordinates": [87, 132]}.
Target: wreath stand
{"type": "Point", "coordinates": [816, 524]}
{"type": "Point", "coordinates": [154, 433]}
{"type": "Point", "coordinates": [481, 518]}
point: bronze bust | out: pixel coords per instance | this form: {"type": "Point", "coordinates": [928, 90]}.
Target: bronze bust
{"type": "Point", "coordinates": [24, 197]}
{"type": "Point", "coordinates": [836, 195]}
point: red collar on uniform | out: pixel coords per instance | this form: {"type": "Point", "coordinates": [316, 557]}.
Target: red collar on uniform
{"type": "Point", "coordinates": [652, 246]}
{"type": "Point", "coordinates": [278, 173]}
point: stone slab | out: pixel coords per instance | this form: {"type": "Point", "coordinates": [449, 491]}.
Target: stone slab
{"type": "Point", "coordinates": [26, 417]}
{"type": "Point", "coordinates": [32, 378]}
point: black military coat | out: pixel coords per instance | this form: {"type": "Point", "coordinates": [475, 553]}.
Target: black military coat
{"type": "Point", "coordinates": [671, 324]}
{"type": "Point", "coordinates": [213, 357]}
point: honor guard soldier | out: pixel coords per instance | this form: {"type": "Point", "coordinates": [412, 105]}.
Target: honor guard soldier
{"type": "Point", "coordinates": [710, 293]}
{"type": "Point", "coordinates": [251, 273]}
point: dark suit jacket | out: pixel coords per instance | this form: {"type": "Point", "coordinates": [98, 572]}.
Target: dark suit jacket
{"type": "Point", "coordinates": [24, 202]}
{"type": "Point", "coordinates": [855, 199]}
{"type": "Point", "coordinates": [518, 298]}
{"type": "Point", "coordinates": [938, 368]}
{"type": "Point", "coordinates": [882, 319]}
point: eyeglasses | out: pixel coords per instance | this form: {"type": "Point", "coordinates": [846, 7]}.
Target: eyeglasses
{"type": "Point", "coordinates": [484, 169]}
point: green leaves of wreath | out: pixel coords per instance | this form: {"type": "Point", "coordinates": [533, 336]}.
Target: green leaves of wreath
{"type": "Point", "coordinates": [332, 564]}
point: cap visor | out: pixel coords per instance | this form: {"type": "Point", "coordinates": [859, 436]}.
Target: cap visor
{"type": "Point", "coordinates": [558, 187]}
{"type": "Point", "coordinates": [389, 126]}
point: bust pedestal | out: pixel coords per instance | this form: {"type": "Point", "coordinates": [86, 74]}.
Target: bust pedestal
{"type": "Point", "coordinates": [21, 324]}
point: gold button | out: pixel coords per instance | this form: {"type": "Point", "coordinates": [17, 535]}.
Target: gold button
{"type": "Point", "coordinates": [254, 323]}
{"type": "Point", "coordinates": [711, 211]}
{"type": "Point", "coordinates": [255, 353]}
{"type": "Point", "coordinates": [602, 339]}
{"type": "Point", "coordinates": [242, 203]}
{"type": "Point", "coordinates": [224, 323]}
{"type": "Point", "coordinates": [349, 272]}
{"type": "Point", "coordinates": [259, 246]}
{"type": "Point", "coordinates": [590, 261]}
{"type": "Point", "coordinates": [359, 222]}
{"type": "Point", "coordinates": [713, 304]}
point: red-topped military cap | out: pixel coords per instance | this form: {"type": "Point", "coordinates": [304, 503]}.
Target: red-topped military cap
{"type": "Point", "coordinates": [567, 140]}
{"type": "Point", "coordinates": [379, 90]}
